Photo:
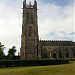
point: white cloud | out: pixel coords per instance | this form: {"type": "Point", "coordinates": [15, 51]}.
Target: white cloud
{"type": "Point", "coordinates": [52, 19]}
{"type": "Point", "coordinates": [10, 25]}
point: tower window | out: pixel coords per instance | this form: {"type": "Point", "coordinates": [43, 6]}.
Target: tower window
{"type": "Point", "coordinates": [27, 17]}
{"type": "Point", "coordinates": [32, 17]}
{"type": "Point", "coordinates": [30, 29]}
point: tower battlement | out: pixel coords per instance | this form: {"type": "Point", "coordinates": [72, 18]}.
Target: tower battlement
{"type": "Point", "coordinates": [30, 5]}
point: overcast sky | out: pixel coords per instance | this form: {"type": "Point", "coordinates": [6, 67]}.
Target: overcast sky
{"type": "Point", "coordinates": [55, 21]}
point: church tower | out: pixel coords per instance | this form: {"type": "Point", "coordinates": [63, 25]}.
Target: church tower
{"type": "Point", "coordinates": [29, 37]}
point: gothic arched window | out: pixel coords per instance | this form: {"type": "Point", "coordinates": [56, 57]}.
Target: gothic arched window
{"type": "Point", "coordinates": [67, 52]}
{"type": "Point", "coordinates": [27, 17]}
{"type": "Point", "coordinates": [32, 17]}
{"type": "Point", "coordinates": [30, 31]}
{"type": "Point", "coordinates": [60, 52]}
{"type": "Point", "coordinates": [44, 53]}
{"type": "Point", "coordinates": [73, 51]}
{"type": "Point", "coordinates": [54, 55]}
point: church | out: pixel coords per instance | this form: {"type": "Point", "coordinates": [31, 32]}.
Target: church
{"type": "Point", "coordinates": [32, 48]}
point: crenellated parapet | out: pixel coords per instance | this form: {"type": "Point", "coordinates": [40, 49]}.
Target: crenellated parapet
{"type": "Point", "coordinates": [56, 43]}
{"type": "Point", "coordinates": [56, 40]}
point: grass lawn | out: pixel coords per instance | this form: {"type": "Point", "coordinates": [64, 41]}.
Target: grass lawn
{"type": "Point", "coordinates": [64, 69]}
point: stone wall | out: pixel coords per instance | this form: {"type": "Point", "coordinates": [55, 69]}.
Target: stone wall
{"type": "Point", "coordinates": [56, 49]}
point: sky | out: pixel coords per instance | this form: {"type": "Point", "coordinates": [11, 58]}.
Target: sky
{"type": "Point", "coordinates": [55, 21]}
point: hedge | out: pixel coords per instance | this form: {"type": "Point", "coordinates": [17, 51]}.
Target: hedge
{"type": "Point", "coordinates": [18, 63]}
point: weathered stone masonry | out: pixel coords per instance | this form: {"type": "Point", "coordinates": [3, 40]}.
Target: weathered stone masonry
{"type": "Point", "coordinates": [32, 48]}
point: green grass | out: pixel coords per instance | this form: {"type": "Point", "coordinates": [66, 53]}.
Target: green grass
{"type": "Point", "coordinates": [64, 69]}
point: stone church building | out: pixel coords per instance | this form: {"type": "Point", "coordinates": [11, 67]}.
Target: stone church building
{"type": "Point", "coordinates": [32, 48]}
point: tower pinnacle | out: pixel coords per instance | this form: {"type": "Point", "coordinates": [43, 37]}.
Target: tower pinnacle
{"type": "Point", "coordinates": [35, 3]}
{"type": "Point", "coordinates": [24, 3]}
{"type": "Point", "coordinates": [30, 4]}
{"type": "Point", "coordinates": [35, 0]}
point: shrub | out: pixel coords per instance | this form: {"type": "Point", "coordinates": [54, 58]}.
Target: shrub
{"type": "Point", "coordinates": [17, 63]}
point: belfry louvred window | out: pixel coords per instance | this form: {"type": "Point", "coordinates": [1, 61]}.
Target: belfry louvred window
{"type": "Point", "coordinates": [30, 29]}
{"type": "Point", "coordinates": [27, 16]}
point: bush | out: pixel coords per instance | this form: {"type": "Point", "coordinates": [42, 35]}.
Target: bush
{"type": "Point", "coordinates": [18, 63]}
{"type": "Point", "coordinates": [72, 59]}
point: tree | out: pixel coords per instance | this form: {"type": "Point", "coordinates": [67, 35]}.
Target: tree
{"type": "Point", "coordinates": [11, 53]}
{"type": "Point", "coordinates": [1, 51]}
